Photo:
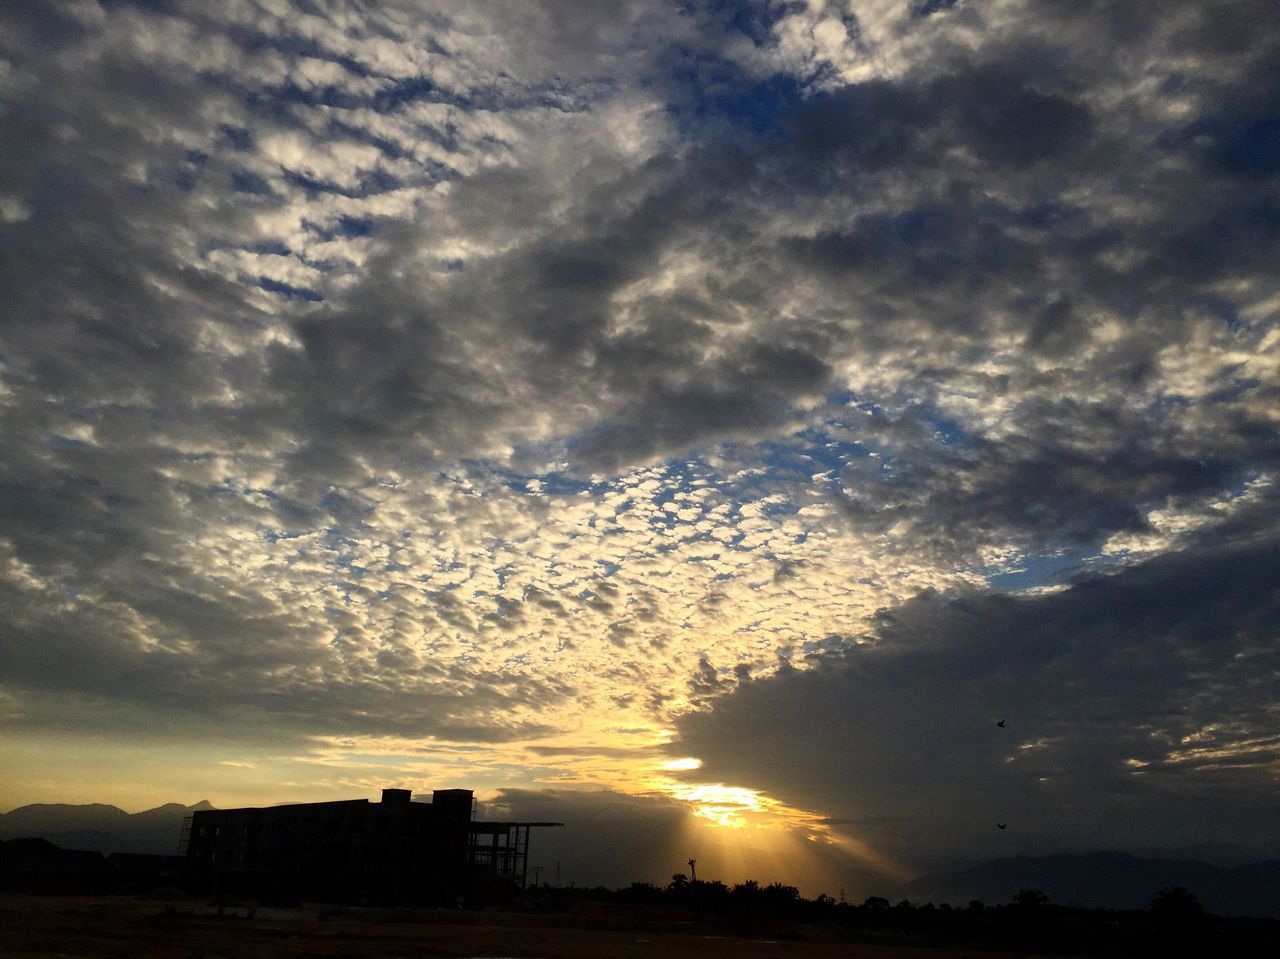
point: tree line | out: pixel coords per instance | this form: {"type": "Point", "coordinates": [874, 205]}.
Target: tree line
{"type": "Point", "coordinates": [1175, 924]}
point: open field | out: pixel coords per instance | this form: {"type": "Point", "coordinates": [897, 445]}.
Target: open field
{"type": "Point", "coordinates": [127, 927]}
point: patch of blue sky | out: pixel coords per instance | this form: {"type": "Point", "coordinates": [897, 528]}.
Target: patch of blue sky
{"type": "Point", "coordinates": [268, 248]}
{"type": "Point", "coordinates": [1243, 482]}
{"type": "Point", "coordinates": [337, 129]}
{"type": "Point", "coordinates": [445, 135]}
{"type": "Point", "coordinates": [831, 445]}
{"type": "Point", "coordinates": [225, 488]}
{"type": "Point", "coordinates": [927, 8]}
{"type": "Point", "coordinates": [57, 439]}
{"type": "Point", "coordinates": [755, 19]}
{"type": "Point", "coordinates": [550, 483]}
{"type": "Point", "coordinates": [372, 182]}
{"type": "Point", "coordinates": [289, 291]}
{"type": "Point", "coordinates": [716, 97]}
{"type": "Point", "coordinates": [813, 453]}
{"type": "Point", "coordinates": [395, 94]}
{"type": "Point", "coordinates": [276, 535]}
{"type": "Point", "coordinates": [337, 542]}
{"type": "Point", "coordinates": [914, 225]}
{"type": "Point", "coordinates": [350, 567]}
{"type": "Point", "coordinates": [948, 431]}
{"type": "Point", "coordinates": [284, 505]}
{"type": "Point", "coordinates": [328, 264]}
{"type": "Point", "coordinates": [189, 170]}
{"type": "Point", "coordinates": [843, 397]}
{"type": "Point", "coordinates": [294, 44]}
{"type": "Point", "coordinates": [1244, 143]}
{"type": "Point", "coordinates": [246, 181]}
{"type": "Point", "coordinates": [1046, 215]}
{"type": "Point", "coordinates": [345, 509]}
{"type": "Point", "coordinates": [1232, 391]}
{"type": "Point", "coordinates": [239, 138]}
{"type": "Point", "coordinates": [412, 90]}
{"type": "Point", "coordinates": [1226, 311]}
{"type": "Point", "coordinates": [343, 227]}
{"type": "Point", "coordinates": [1050, 568]}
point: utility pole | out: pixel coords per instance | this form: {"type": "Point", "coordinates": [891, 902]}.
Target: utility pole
{"type": "Point", "coordinates": [693, 870]}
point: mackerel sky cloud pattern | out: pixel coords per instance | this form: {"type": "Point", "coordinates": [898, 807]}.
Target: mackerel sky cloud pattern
{"type": "Point", "coordinates": [531, 396]}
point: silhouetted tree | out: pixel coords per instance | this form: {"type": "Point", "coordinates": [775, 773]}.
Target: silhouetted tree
{"type": "Point", "coordinates": [1176, 906]}
{"type": "Point", "coordinates": [641, 892]}
{"type": "Point", "coordinates": [1029, 899]}
{"type": "Point", "coordinates": [1176, 915]}
{"type": "Point", "coordinates": [1030, 920]}
{"type": "Point", "coordinates": [712, 897]}
{"type": "Point", "coordinates": [780, 893]}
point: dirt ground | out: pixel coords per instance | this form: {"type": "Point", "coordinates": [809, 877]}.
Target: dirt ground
{"type": "Point", "coordinates": [123, 927]}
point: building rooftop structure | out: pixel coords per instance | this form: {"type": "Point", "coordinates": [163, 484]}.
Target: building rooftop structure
{"type": "Point", "coordinates": [396, 851]}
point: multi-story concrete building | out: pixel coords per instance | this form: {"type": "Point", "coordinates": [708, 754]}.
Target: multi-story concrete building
{"type": "Point", "coordinates": [394, 851]}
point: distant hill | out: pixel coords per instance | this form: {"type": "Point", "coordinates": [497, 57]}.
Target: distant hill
{"type": "Point", "coordinates": [98, 827]}
{"type": "Point", "coordinates": [1112, 879]}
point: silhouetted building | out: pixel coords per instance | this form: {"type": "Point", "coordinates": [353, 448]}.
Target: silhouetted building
{"type": "Point", "coordinates": [37, 865]}
{"type": "Point", "coordinates": [394, 851]}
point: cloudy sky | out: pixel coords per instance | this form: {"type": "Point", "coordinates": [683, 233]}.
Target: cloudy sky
{"type": "Point", "coordinates": [699, 421]}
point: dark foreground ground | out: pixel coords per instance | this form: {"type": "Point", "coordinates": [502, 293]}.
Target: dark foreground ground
{"type": "Point", "coordinates": [188, 929]}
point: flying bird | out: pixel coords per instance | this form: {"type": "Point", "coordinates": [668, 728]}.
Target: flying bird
{"type": "Point", "coordinates": [1002, 825]}
{"type": "Point", "coordinates": [1001, 724]}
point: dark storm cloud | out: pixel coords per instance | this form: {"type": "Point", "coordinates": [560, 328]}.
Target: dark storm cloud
{"type": "Point", "coordinates": [1064, 473]}
{"type": "Point", "coordinates": [1139, 706]}
{"type": "Point", "coordinates": [743, 394]}
{"type": "Point", "coordinates": [977, 249]}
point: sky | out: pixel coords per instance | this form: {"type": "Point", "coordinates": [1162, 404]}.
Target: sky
{"type": "Point", "coordinates": [700, 422]}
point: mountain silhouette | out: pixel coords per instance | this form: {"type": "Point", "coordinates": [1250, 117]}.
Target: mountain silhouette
{"type": "Point", "coordinates": [1114, 880]}
{"type": "Point", "coordinates": [99, 827]}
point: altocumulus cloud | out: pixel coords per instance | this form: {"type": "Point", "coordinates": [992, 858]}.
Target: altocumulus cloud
{"type": "Point", "coordinates": [517, 374]}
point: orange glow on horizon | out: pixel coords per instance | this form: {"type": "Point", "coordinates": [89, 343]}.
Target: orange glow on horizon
{"type": "Point", "coordinates": [757, 835]}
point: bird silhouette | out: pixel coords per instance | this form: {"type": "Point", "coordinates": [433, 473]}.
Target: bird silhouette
{"type": "Point", "coordinates": [1002, 825]}
{"type": "Point", "coordinates": [1001, 724]}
